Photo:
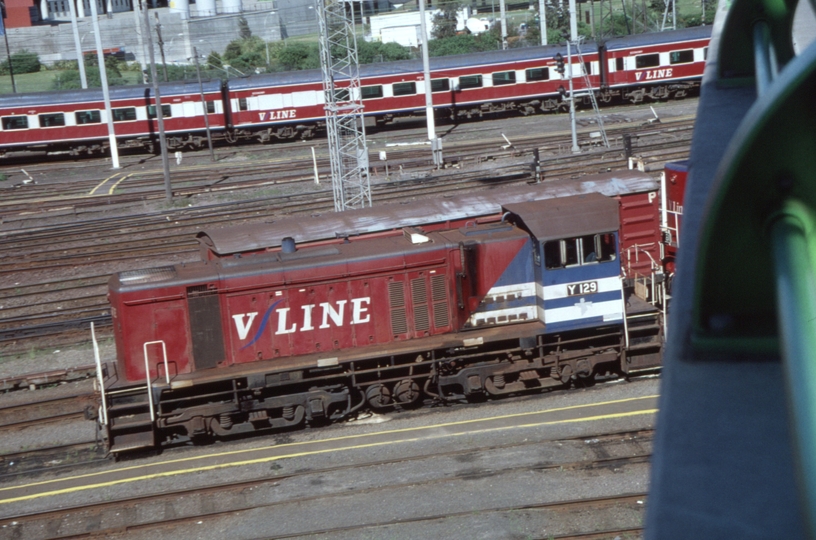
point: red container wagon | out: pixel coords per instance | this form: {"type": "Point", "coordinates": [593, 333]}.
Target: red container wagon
{"type": "Point", "coordinates": [76, 121]}
{"type": "Point", "coordinates": [290, 105]}
{"type": "Point", "coordinates": [673, 189]}
{"type": "Point", "coordinates": [657, 66]}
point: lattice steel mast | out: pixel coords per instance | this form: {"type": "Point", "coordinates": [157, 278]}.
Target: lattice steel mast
{"type": "Point", "coordinates": [348, 153]}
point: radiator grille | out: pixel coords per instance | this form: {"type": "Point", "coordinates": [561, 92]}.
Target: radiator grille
{"type": "Point", "coordinates": [421, 320]}
{"type": "Point", "coordinates": [441, 314]}
{"type": "Point", "coordinates": [396, 295]}
{"type": "Point", "coordinates": [419, 294]}
{"type": "Point", "coordinates": [438, 292]}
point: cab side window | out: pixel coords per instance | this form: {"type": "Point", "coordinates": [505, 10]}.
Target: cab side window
{"type": "Point", "coordinates": [589, 249]}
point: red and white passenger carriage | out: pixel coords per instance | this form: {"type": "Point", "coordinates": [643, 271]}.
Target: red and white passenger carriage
{"type": "Point", "coordinates": [279, 106]}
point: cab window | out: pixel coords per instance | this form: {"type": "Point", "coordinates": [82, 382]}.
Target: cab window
{"type": "Point", "coordinates": [583, 250]}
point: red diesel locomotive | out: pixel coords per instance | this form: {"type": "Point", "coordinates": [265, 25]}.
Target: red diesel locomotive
{"type": "Point", "coordinates": [280, 106]}
{"type": "Point", "coordinates": [309, 320]}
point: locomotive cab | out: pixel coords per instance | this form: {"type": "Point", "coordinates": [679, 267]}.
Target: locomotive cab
{"type": "Point", "coordinates": [575, 259]}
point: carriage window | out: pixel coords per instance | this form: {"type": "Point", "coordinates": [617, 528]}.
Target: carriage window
{"type": "Point", "coordinates": [587, 68]}
{"type": "Point", "coordinates": [681, 57]}
{"type": "Point", "coordinates": [370, 92]}
{"type": "Point", "coordinates": [341, 94]}
{"type": "Point", "coordinates": [504, 77]}
{"type": "Point", "coordinates": [124, 115]}
{"type": "Point", "coordinates": [705, 53]}
{"type": "Point", "coordinates": [588, 249]}
{"type": "Point", "coordinates": [88, 117]}
{"type": "Point", "coordinates": [211, 107]}
{"type": "Point", "coordinates": [405, 88]}
{"type": "Point", "coordinates": [166, 112]}
{"type": "Point", "coordinates": [440, 85]}
{"type": "Point", "coordinates": [647, 61]}
{"type": "Point", "coordinates": [470, 81]}
{"type": "Point", "coordinates": [242, 104]}
{"type": "Point", "coordinates": [538, 74]}
{"type": "Point", "coordinates": [52, 120]}
{"type": "Point", "coordinates": [15, 122]}
{"type": "Point", "coordinates": [618, 64]}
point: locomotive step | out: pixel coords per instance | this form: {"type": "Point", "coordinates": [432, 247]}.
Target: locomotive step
{"type": "Point", "coordinates": [119, 407]}
{"type": "Point", "coordinates": [635, 347]}
{"type": "Point", "coordinates": [132, 441]}
{"type": "Point", "coordinates": [130, 421]}
{"type": "Point", "coordinates": [655, 328]}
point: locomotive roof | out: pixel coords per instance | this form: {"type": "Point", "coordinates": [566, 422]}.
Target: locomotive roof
{"type": "Point", "coordinates": [565, 217]}
{"type": "Point", "coordinates": [656, 38]}
{"type": "Point", "coordinates": [254, 237]}
{"type": "Point", "coordinates": [380, 69]}
{"type": "Point", "coordinates": [95, 94]}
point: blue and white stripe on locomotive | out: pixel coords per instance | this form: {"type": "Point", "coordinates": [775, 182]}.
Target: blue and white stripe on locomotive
{"type": "Point", "coordinates": [569, 298]}
{"type": "Point", "coordinates": [563, 311]}
{"type": "Point", "coordinates": [582, 297]}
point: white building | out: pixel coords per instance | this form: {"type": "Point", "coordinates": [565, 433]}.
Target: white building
{"type": "Point", "coordinates": [404, 28]}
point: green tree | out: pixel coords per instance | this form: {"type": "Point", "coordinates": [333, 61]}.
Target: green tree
{"type": "Point", "coordinates": [70, 80]}
{"type": "Point", "coordinates": [298, 56]}
{"type": "Point", "coordinates": [233, 51]}
{"type": "Point", "coordinates": [444, 22]}
{"type": "Point", "coordinates": [243, 28]}
{"type": "Point", "coordinates": [369, 52]}
{"type": "Point", "coordinates": [214, 59]}
{"type": "Point", "coordinates": [23, 62]}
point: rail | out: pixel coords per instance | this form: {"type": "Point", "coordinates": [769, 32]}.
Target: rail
{"type": "Point", "coordinates": [755, 284]}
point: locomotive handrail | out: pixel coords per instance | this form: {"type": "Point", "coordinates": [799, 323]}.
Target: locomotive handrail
{"type": "Point", "coordinates": [760, 214]}
{"type": "Point", "coordinates": [147, 374]}
{"type": "Point", "coordinates": [104, 413]}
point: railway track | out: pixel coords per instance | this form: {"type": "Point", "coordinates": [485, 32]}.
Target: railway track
{"type": "Point", "coordinates": [166, 512]}
{"type": "Point", "coordinates": [45, 411]}
{"type": "Point", "coordinates": [51, 459]}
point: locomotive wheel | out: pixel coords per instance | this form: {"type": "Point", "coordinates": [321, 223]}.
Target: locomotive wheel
{"type": "Point", "coordinates": [378, 396]}
{"type": "Point", "coordinates": [406, 392]}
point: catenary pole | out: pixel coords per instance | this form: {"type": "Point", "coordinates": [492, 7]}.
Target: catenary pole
{"type": "Point", "coordinates": [436, 147]}
{"type": "Point", "coordinates": [103, 75]}
{"type": "Point", "coordinates": [168, 190]}
{"type": "Point", "coordinates": [83, 79]}
{"type": "Point", "coordinates": [204, 104]}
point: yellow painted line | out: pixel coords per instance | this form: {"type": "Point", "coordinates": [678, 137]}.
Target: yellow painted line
{"type": "Point", "coordinates": [110, 191]}
{"type": "Point", "coordinates": [267, 459]}
{"type": "Point", "coordinates": [102, 183]}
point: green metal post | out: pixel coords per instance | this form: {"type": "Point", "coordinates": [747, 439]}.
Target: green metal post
{"type": "Point", "coordinates": [791, 234]}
